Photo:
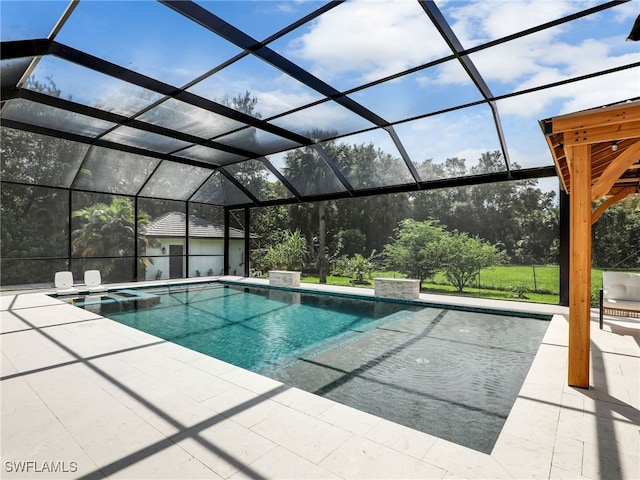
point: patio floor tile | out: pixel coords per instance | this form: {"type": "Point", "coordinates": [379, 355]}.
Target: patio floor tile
{"type": "Point", "coordinates": [124, 404]}
{"type": "Point", "coordinates": [362, 458]}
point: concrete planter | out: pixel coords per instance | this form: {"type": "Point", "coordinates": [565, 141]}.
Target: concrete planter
{"type": "Point", "coordinates": [284, 278]}
{"type": "Point", "coordinates": [398, 288]}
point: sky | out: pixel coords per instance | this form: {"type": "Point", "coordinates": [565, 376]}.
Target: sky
{"type": "Point", "coordinates": [355, 43]}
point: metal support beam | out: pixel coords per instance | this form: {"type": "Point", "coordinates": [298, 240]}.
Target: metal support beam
{"type": "Point", "coordinates": [495, 177]}
{"type": "Point", "coordinates": [334, 168]}
{"type": "Point", "coordinates": [130, 76]}
{"type": "Point", "coordinates": [25, 48]}
{"type": "Point", "coordinates": [227, 219]}
{"type": "Point", "coordinates": [239, 186]}
{"type": "Point", "coordinates": [281, 177]}
{"type": "Point", "coordinates": [186, 239]}
{"type": "Point", "coordinates": [118, 119]}
{"type": "Point", "coordinates": [403, 153]}
{"type": "Point", "coordinates": [70, 236]}
{"type": "Point", "coordinates": [208, 20]}
{"type": "Point", "coordinates": [436, 16]}
{"type": "Point", "coordinates": [565, 216]}
{"type": "Point", "coordinates": [52, 132]}
{"type": "Point", "coordinates": [136, 253]}
{"type": "Point", "coordinates": [503, 142]}
{"type": "Point", "coordinates": [247, 242]}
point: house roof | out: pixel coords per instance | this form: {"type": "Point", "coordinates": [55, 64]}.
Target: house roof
{"type": "Point", "coordinates": [173, 224]}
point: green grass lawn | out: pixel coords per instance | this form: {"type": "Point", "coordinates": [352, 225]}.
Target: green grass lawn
{"type": "Point", "coordinates": [542, 282]}
{"type": "Point", "coordinates": [535, 278]}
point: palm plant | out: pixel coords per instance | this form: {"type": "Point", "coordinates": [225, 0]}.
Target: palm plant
{"type": "Point", "coordinates": [108, 231]}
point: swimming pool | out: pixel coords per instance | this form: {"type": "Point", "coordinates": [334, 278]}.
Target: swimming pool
{"type": "Point", "coordinates": [451, 373]}
{"type": "Point", "coordinates": [253, 328]}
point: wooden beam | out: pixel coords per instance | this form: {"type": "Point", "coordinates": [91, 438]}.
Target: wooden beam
{"type": "Point", "coordinates": [580, 266]}
{"type": "Point", "coordinates": [554, 154]}
{"type": "Point", "coordinates": [614, 171]}
{"type": "Point", "coordinates": [620, 195]}
{"type": "Point", "coordinates": [602, 134]}
{"type": "Point", "coordinates": [566, 175]}
{"type": "Point", "coordinates": [616, 114]}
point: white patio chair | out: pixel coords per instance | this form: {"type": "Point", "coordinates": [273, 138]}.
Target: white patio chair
{"type": "Point", "coordinates": [64, 284]}
{"type": "Point", "coordinates": [93, 281]}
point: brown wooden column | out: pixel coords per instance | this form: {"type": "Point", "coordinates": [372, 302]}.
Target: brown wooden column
{"type": "Point", "coordinates": [595, 152]}
{"type": "Point", "coordinates": [579, 157]}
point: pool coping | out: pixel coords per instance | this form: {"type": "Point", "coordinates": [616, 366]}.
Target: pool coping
{"type": "Point", "coordinates": [539, 440]}
{"type": "Point", "coordinates": [419, 303]}
{"type": "Point", "coordinates": [473, 304]}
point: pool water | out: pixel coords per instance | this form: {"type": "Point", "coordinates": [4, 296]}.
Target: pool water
{"type": "Point", "coordinates": [451, 373]}
{"type": "Point", "coordinates": [253, 328]}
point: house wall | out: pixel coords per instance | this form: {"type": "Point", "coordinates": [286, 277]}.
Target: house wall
{"type": "Point", "coordinates": [205, 254]}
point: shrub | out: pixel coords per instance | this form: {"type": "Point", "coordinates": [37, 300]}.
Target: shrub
{"type": "Point", "coordinates": [519, 289]}
{"type": "Point", "coordinates": [340, 266]}
{"type": "Point", "coordinates": [464, 256]}
{"type": "Point", "coordinates": [595, 296]}
{"type": "Point", "coordinates": [289, 253]}
{"type": "Point", "coordinates": [358, 268]}
{"type": "Point", "coordinates": [414, 251]}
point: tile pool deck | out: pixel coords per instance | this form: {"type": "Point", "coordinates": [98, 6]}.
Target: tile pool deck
{"type": "Point", "coordinates": [92, 398]}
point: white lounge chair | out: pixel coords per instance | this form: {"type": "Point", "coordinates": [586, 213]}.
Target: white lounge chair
{"type": "Point", "coordinates": [93, 281]}
{"type": "Point", "coordinates": [620, 295]}
{"type": "Point", "coordinates": [64, 284]}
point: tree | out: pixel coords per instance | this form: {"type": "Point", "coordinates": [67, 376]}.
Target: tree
{"type": "Point", "coordinates": [352, 241]}
{"type": "Point", "coordinates": [462, 257]}
{"type": "Point", "coordinates": [515, 214]}
{"type": "Point", "coordinates": [376, 217]}
{"type": "Point", "coordinates": [536, 215]}
{"type": "Point", "coordinates": [616, 235]}
{"type": "Point", "coordinates": [309, 173]}
{"type": "Point", "coordinates": [423, 248]}
{"type": "Point", "coordinates": [450, 206]}
{"type": "Point", "coordinates": [29, 209]}
{"type": "Point", "coordinates": [245, 103]}
{"type": "Point", "coordinates": [414, 251]}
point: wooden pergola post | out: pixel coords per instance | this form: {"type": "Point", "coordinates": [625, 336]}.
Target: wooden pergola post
{"type": "Point", "coordinates": [580, 264]}
{"type": "Point", "coordinates": [597, 155]}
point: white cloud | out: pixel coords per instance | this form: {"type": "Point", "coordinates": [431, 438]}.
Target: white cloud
{"type": "Point", "coordinates": [286, 7]}
{"type": "Point", "coordinates": [463, 134]}
{"type": "Point", "coordinates": [449, 73]}
{"type": "Point", "coordinates": [372, 39]}
{"type": "Point", "coordinates": [275, 91]}
{"type": "Point", "coordinates": [383, 41]}
{"type": "Point", "coordinates": [544, 57]}
{"type": "Point", "coordinates": [603, 90]}
{"type": "Point", "coordinates": [549, 56]}
{"type": "Point", "coordinates": [369, 39]}
{"type": "Point", "coordinates": [481, 21]}
{"type": "Point", "coordinates": [274, 102]}
{"type": "Point", "coordinates": [571, 97]}
{"type": "Point", "coordinates": [533, 61]}
{"type": "Point", "coordinates": [326, 116]}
